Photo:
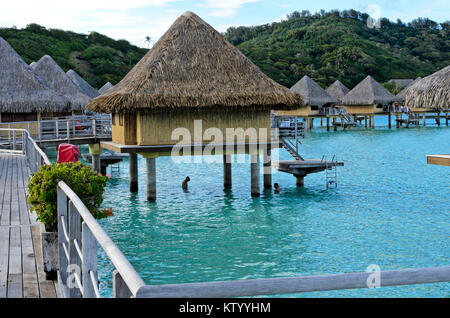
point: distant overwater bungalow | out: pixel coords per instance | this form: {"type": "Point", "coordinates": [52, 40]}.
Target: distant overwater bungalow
{"type": "Point", "coordinates": [192, 79]}
{"type": "Point", "coordinates": [24, 95]}
{"type": "Point", "coordinates": [57, 79]}
{"type": "Point", "coordinates": [84, 86]}
{"type": "Point", "coordinates": [337, 90]}
{"type": "Point", "coordinates": [105, 87]}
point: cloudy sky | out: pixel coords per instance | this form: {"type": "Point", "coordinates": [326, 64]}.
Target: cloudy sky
{"type": "Point", "coordinates": [133, 20]}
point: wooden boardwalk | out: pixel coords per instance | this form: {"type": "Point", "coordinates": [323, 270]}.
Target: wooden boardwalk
{"type": "Point", "coordinates": [21, 266]}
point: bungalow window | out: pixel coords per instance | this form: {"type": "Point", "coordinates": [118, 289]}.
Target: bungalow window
{"type": "Point", "coordinates": [314, 107]}
{"type": "Point", "coordinates": [113, 119]}
{"type": "Point", "coordinates": [120, 119]}
{"type": "Point", "coordinates": [380, 106]}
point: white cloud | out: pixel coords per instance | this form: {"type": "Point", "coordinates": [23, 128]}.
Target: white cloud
{"type": "Point", "coordinates": [225, 8]}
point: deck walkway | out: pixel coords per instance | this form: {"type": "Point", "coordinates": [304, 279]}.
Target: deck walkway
{"type": "Point", "coordinates": [21, 266]}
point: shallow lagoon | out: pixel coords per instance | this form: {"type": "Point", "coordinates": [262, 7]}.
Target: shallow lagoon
{"type": "Point", "coordinates": [390, 209]}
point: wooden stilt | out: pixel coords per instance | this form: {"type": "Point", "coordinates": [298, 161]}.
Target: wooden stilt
{"type": "Point", "coordinates": [438, 119]}
{"type": "Point", "coordinates": [424, 119]}
{"type": "Point", "coordinates": [328, 123]}
{"type": "Point", "coordinates": [321, 122]}
{"type": "Point", "coordinates": [267, 171]}
{"type": "Point", "coordinates": [446, 119]}
{"type": "Point", "coordinates": [133, 164]}
{"type": "Point", "coordinates": [96, 163]}
{"type": "Point", "coordinates": [389, 120]}
{"type": "Point", "coordinates": [227, 171]}
{"type": "Point", "coordinates": [365, 121]}
{"type": "Point", "coordinates": [255, 175]}
{"type": "Point", "coordinates": [300, 181]}
{"type": "Point", "coordinates": [151, 179]}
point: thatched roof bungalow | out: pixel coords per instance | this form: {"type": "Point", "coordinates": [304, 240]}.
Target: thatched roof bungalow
{"type": "Point", "coordinates": [431, 92]}
{"type": "Point", "coordinates": [82, 84]}
{"type": "Point", "coordinates": [368, 97]}
{"type": "Point", "coordinates": [23, 94]}
{"type": "Point", "coordinates": [191, 73]}
{"type": "Point", "coordinates": [402, 93]}
{"type": "Point", "coordinates": [105, 87]}
{"type": "Point", "coordinates": [54, 75]}
{"type": "Point", "coordinates": [337, 90]}
{"type": "Point", "coordinates": [401, 82]}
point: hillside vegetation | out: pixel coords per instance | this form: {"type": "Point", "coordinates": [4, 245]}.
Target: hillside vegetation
{"type": "Point", "coordinates": [339, 45]}
{"type": "Point", "coordinates": [96, 57]}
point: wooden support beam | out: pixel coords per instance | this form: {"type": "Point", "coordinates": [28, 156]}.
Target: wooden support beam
{"type": "Point", "coordinates": [300, 181]}
{"type": "Point", "coordinates": [389, 120]}
{"type": "Point", "coordinates": [267, 171]}
{"type": "Point", "coordinates": [424, 119]}
{"type": "Point", "coordinates": [328, 123]}
{"type": "Point", "coordinates": [365, 121]}
{"type": "Point", "coordinates": [133, 162]}
{"type": "Point", "coordinates": [151, 179]}
{"type": "Point", "coordinates": [255, 175]}
{"type": "Point", "coordinates": [227, 178]}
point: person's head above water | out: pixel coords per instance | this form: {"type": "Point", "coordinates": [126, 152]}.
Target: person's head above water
{"type": "Point", "coordinates": [188, 179]}
{"type": "Point", "coordinates": [276, 185]}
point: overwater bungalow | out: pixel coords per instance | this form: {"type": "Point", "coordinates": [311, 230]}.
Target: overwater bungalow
{"type": "Point", "coordinates": [105, 87]}
{"type": "Point", "coordinates": [195, 85]}
{"type": "Point", "coordinates": [57, 79]}
{"type": "Point", "coordinates": [84, 86]}
{"type": "Point", "coordinates": [24, 95]}
{"type": "Point", "coordinates": [401, 82]}
{"type": "Point", "coordinates": [337, 90]}
{"type": "Point", "coordinates": [369, 98]}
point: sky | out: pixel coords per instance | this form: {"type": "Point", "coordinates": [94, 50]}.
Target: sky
{"type": "Point", "coordinates": [133, 20]}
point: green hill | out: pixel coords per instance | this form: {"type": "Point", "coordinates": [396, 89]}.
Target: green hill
{"type": "Point", "coordinates": [339, 45]}
{"type": "Point", "coordinates": [96, 57]}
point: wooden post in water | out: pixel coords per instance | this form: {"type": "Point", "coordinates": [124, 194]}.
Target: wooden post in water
{"type": "Point", "coordinates": [151, 179]}
{"type": "Point", "coordinates": [321, 121]}
{"type": "Point", "coordinates": [95, 151]}
{"type": "Point", "coordinates": [133, 162]}
{"type": "Point", "coordinates": [446, 119]}
{"type": "Point", "coordinates": [255, 175]}
{"type": "Point", "coordinates": [300, 181]}
{"type": "Point", "coordinates": [267, 171]}
{"type": "Point", "coordinates": [424, 119]}
{"type": "Point", "coordinates": [227, 171]}
{"type": "Point", "coordinates": [389, 120]}
{"type": "Point", "coordinates": [438, 118]}
{"type": "Point", "coordinates": [328, 123]}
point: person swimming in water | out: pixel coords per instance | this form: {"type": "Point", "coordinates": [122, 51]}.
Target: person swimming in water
{"type": "Point", "coordinates": [184, 185]}
{"type": "Point", "coordinates": [277, 188]}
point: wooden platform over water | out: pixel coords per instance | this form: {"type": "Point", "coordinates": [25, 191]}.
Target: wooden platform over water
{"type": "Point", "coordinates": [21, 266]}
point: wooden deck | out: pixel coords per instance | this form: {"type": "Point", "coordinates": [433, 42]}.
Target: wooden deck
{"type": "Point", "coordinates": [21, 266]}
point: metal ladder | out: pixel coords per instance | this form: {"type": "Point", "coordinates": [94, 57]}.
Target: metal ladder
{"type": "Point", "coordinates": [331, 172]}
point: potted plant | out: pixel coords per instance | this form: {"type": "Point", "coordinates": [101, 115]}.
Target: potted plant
{"type": "Point", "coordinates": [42, 197]}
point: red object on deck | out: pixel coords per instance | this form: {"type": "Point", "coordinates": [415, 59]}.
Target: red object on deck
{"type": "Point", "coordinates": [68, 153]}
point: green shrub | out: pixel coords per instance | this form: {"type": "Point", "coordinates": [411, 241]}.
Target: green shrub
{"type": "Point", "coordinates": [86, 183]}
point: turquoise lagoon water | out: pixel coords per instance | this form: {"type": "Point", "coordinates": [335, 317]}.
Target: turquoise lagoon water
{"type": "Point", "coordinates": [390, 209]}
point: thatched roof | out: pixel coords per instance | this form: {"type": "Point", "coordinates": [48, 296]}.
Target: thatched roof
{"type": "Point", "coordinates": [402, 93]}
{"type": "Point", "coordinates": [311, 93]}
{"type": "Point", "coordinates": [337, 90]}
{"type": "Point", "coordinates": [82, 84]}
{"type": "Point", "coordinates": [105, 87]}
{"type": "Point", "coordinates": [369, 92]}
{"type": "Point", "coordinates": [22, 90]}
{"type": "Point", "coordinates": [432, 91]}
{"type": "Point", "coordinates": [402, 82]}
{"type": "Point", "coordinates": [193, 66]}
{"type": "Point", "coordinates": [47, 68]}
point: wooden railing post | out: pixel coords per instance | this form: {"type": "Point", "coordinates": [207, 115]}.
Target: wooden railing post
{"type": "Point", "coordinates": [75, 261]}
{"type": "Point", "coordinates": [89, 262]}
{"type": "Point", "coordinates": [63, 261]}
{"type": "Point", "coordinates": [120, 288]}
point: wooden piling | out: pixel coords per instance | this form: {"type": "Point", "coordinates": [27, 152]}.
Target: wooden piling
{"type": "Point", "coordinates": [133, 163]}
{"type": "Point", "coordinates": [389, 120]}
{"type": "Point", "coordinates": [328, 123]}
{"type": "Point", "coordinates": [267, 171]}
{"type": "Point", "coordinates": [151, 179]}
{"type": "Point", "coordinates": [227, 171]}
{"type": "Point", "coordinates": [255, 175]}
{"type": "Point", "coordinates": [424, 119]}
{"type": "Point", "coordinates": [300, 181]}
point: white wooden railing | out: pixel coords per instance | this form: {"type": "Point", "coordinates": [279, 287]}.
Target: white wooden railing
{"type": "Point", "coordinates": [79, 236]}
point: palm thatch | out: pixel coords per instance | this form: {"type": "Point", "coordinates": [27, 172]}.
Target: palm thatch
{"type": "Point", "coordinates": [337, 90]}
{"type": "Point", "coordinates": [47, 68]}
{"type": "Point", "coordinates": [402, 93]}
{"type": "Point", "coordinates": [369, 92]}
{"type": "Point", "coordinates": [402, 82]}
{"type": "Point", "coordinates": [311, 93]}
{"type": "Point", "coordinates": [194, 67]}
{"type": "Point", "coordinates": [82, 84]}
{"type": "Point", "coordinates": [431, 92]}
{"type": "Point", "coordinates": [22, 90]}
{"type": "Point", "coordinates": [105, 87]}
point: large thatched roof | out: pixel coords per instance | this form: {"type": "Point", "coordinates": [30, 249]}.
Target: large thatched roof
{"type": "Point", "coordinates": [311, 93]}
{"type": "Point", "coordinates": [432, 91]}
{"type": "Point", "coordinates": [369, 92]}
{"type": "Point", "coordinates": [105, 87]}
{"type": "Point", "coordinates": [193, 66]}
{"type": "Point", "coordinates": [47, 68]}
{"type": "Point", "coordinates": [337, 90]}
{"type": "Point", "coordinates": [402, 93]}
{"type": "Point", "coordinates": [82, 84]}
{"type": "Point", "coordinates": [23, 91]}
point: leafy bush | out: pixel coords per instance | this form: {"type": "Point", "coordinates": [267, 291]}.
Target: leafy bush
{"type": "Point", "coordinates": [86, 183]}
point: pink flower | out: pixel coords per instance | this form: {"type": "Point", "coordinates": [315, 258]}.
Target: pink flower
{"type": "Point", "coordinates": [108, 175]}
